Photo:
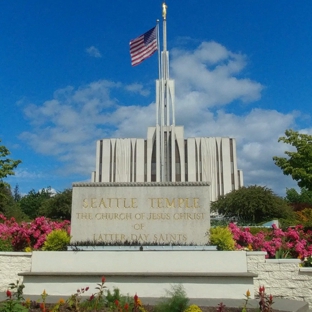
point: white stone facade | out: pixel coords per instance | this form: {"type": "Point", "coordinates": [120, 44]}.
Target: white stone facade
{"type": "Point", "coordinates": [203, 159]}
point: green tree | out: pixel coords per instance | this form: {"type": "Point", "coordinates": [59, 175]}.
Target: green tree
{"type": "Point", "coordinates": [6, 199]}
{"type": "Point", "coordinates": [253, 204]}
{"type": "Point", "coordinates": [8, 206]}
{"type": "Point", "coordinates": [7, 165]}
{"type": "Point", "coordinates": [32, 202]}
{"type": "Point", "coordinates": [299, 201]}
{"type": "Point", "coordinates": [16, 194]}
{"type": "Point", "coordinates": [299, 162]}
{"type": "Point", "coordinates": [58, 206]}
{"type": "Point", "coordinates": [305, 196]}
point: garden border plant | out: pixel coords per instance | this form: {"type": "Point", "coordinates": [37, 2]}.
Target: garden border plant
{"type": "Point", "coordinates": [104, 300]}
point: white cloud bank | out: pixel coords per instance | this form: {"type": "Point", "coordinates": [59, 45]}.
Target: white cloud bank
{"type": "Point", "coordinates": [207, 80]}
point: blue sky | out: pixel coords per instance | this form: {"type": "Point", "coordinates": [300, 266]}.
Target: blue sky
{"type": "Point", "coordinates": [242, 69]}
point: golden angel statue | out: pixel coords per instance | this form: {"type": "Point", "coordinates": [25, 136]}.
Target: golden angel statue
{"type": "Point", "coordinates": [164, 12]}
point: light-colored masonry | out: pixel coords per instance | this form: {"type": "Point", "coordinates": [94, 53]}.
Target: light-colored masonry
{"type": "Point", "coordinates": [12, 263]}
{"type": "Point", "coordinates": [283, 278]}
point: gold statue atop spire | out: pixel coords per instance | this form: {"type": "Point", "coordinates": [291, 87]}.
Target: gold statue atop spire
{"type": "Point", "coordinates": [164, 12]}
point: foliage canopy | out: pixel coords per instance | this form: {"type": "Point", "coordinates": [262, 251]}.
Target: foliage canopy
{"type": "Point", "coordinates": [254, 204]}
{"type": "Point", "coordinates": [299, 162]}
{"type": "Point", "coordinates": [8, 206]}
{"type": "Point", "coordinates": [31, 203]}
{"type": "Point", "coordinates": [299, 201]}
{"type": "Point", "coordinates": [7, 165]}
{"type": "Point", "coordinates": [57, 206]}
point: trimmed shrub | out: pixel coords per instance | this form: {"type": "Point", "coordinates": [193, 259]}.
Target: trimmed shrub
{"type": "Point", "coordinates": [57, 240]}
{"type": "Point", "coordinates": [222, 238]}
{"type": "Point", "coordinates": [193, 308]}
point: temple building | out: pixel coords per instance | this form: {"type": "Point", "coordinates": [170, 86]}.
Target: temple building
{"type": "Point", "coordinates": [166, 156]}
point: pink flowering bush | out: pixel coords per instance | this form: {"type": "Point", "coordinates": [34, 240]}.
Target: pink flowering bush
{"type": "Point", "coordinates": [29, 234]}
{"type": "Point", "coordinates": [291, 243]}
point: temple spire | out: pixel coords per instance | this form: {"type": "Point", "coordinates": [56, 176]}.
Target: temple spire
{"type": "Point", "coordinates": [165, 119]}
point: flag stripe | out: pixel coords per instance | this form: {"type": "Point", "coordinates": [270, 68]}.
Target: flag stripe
{"type": "Point", "coordinates": [143, 47]}
{"type": "Point", "coordinates": [144, 53]}
{"type": "Point", "coordinates": [141, 55]}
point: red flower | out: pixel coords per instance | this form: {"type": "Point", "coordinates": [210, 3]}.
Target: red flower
{"type": "Point", "coordinates": [103, 279]}
{"type": "Point", "coordinates": [136, 299]}
{"type": "Point", "coordinates": [126, 307]}
{"type": "Point", "coordinates": [116, 303]}
{"type": "Point", "coordinates": [261, 289]}
{"type": "Point", "coordinates": [91, 297]}
{"type": "Point", "coordinates": [9, 294]}
{"type": "Point", "coordinates": [271, 298]}
{"type": "Point", "coordinates": [87, 288]}
{"type": "Point", "coordinates": [42, 307]}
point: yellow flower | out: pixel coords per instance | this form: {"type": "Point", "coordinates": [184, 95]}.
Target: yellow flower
{"type": "Point", "coordinates": [248, 293]}
{"type": "Point", "coordinates": [28, 249]}
{"type": "Point", "coordinates": [27, 303]}
{"type": "Point", "coordinates": [61, 301]}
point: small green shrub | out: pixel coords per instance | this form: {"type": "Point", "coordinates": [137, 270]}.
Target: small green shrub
{"type": "Point", "coordinates": [222, 238]}
{"type": "Point", "coordinates": [255, 230]}
{"type": "Point", "coordinates": [193, 308]}
{"type": "Point", "coordinates": [6, 244]}
{"type": "Point", "coordinates": [56, 240]}
{"type": "Point", "coordinates": [176, 300]}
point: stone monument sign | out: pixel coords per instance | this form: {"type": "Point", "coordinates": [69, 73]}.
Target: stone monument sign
{"type": "Point", "coordinates": [148, 213]}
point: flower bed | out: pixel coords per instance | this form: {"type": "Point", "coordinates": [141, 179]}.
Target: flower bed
{"type": "Point", "coordinates": [294, 242]}
{"type": "Point", "coordinates": [105, 300]}
{"type": "Point", "coordinates": [27, 236]}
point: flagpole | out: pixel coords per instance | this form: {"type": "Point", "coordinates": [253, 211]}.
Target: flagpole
{"type": "Point", "coordinates": [159, 73]}
{"type": "Point", "coordinates": [158, 45]}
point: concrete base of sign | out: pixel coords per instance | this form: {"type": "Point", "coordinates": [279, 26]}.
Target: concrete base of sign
{"type": "Point", "coordinates": [204, 274]}
{"type": "Point", "coordinates": [141, 248]}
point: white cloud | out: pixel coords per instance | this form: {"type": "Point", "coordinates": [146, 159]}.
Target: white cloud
{"type": "Point", "coordinates": [26, 174]}
{"type": "Point", "coordinates": [68, 125]}
{"type": "Point", "coordinates": [207, 80]}
{"type": "Point", "coordinates": [209, 76]}
{"type": "Point", "coordinates": [138, 88]}
{"type": "Point", "coordinates": [94, 52]}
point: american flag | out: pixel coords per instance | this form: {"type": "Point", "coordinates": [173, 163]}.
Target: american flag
{"type": "Point", "coordinates": [143, 47]}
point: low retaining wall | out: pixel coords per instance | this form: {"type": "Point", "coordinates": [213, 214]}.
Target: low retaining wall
{"type": "Point", "coordinates": [12, 263]}
{"type": "Point", "coordinates": [282, 278]}
{"type": "Point", "coordinates": [147, 273]}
